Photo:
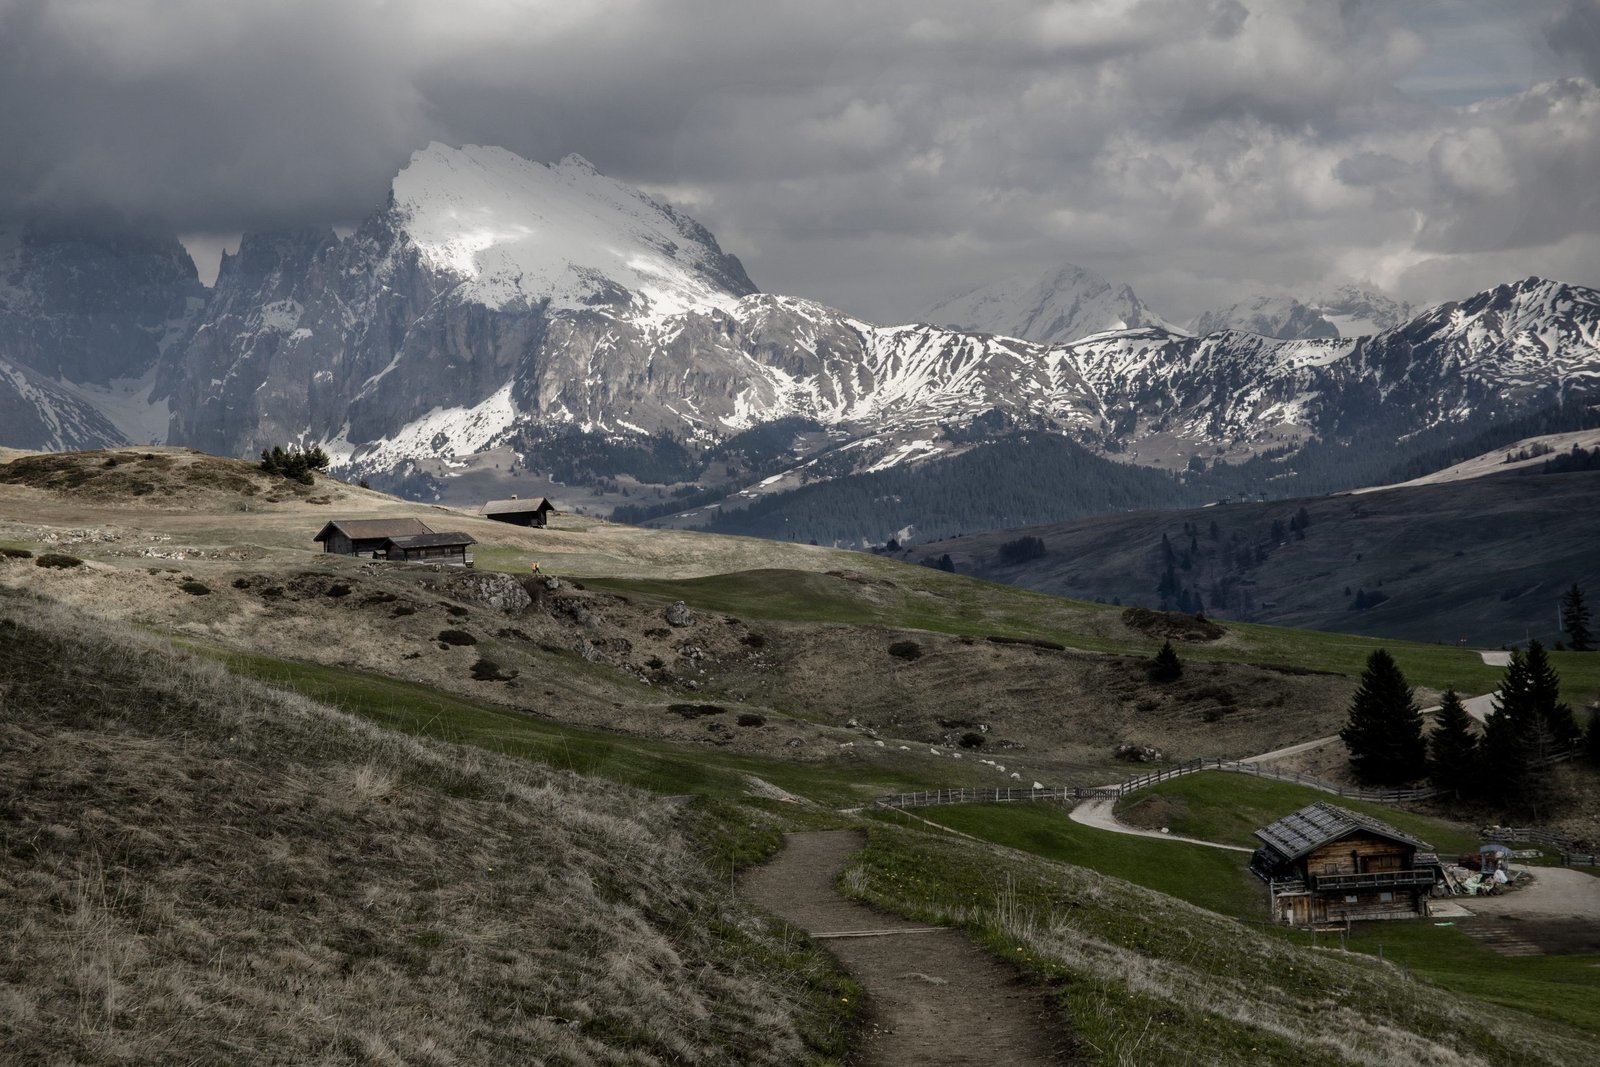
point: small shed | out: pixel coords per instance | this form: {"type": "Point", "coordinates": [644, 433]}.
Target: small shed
{"type": "Point", "coordinates": [366, 537]}
{"type": "Point", "coordinates": [447, 548]}
{"type": "Point", "coordinates": [1326, 864]}
{"type": "Point", "coordinates": [534, 511]}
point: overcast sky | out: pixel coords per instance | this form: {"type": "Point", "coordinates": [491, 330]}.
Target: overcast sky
{"type": "Point", "coordinates": [874, 154]}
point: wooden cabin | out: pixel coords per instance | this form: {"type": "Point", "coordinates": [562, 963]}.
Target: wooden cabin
{"type": "Point", "coordinates": [1327, 864]}
{"type": "Point", "coordinates": [446, 548]}
{"type": "Point", "coordinates": [534, 511]}
{"type": "Point", "coordinates": [366, 537]}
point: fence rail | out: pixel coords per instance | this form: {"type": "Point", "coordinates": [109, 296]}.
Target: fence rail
{"type": "Point", "coordinates": [1016, 794]}
{"type": "Point", "coordinates": [1532, 835]}
{"type": "Point", "coordinates": [1142, 781]}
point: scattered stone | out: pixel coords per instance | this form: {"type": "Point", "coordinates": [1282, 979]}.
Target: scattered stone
{"type": "Point", "coordinates": [1129, 752]}
{"type": "Point", "coordinates": [500, 592]}
{"type": "Point", "coordinates": [678, 614]}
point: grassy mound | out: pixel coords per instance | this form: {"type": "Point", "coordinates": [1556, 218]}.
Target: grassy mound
{"type": "Point", "coordinates": [198, 868]}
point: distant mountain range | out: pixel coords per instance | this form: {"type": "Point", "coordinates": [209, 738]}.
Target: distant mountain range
{"type": "Point", "coordinates": [500, 324]}
{"type": "Point", "coordinates": [1482, 559]}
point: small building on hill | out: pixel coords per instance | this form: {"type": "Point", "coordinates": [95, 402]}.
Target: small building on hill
{"type": "Point", "coordinates": [534, 511]}
{"type": "Point", "coordinates": [366, 537]}
{"type": "Point", "coordinates": [1327, 864]}
{"type": "Point", "coordinates": [447, 548]}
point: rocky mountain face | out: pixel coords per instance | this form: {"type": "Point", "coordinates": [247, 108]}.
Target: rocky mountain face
{"type": "Point", "coordinates": [86, 313]}
{"type": "Point", "coordinates": [493, 304]}
{"type": "Point", "coordinates": [1062, 306]}
{"type": "Point", "coordinates": [1282, 317]}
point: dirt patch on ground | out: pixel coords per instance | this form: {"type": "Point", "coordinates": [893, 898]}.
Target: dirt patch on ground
{"type": "Point", "coordinates": [1512, 935]}
{"type": "Point", "coordinates": [1171, 625]}
{"type": "Point", "coordinates": [1558, 914]}
{"type": "Point", "coordinates": [935, 997]}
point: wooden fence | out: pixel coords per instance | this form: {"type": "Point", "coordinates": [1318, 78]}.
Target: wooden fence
{"type": "Point", "coordinates": [1142, 781]}
{"type": "Point", "coordinates": [1531, 835]}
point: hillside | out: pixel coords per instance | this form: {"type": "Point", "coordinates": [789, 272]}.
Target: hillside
{"type": "Point", "coordinates": [498, 762]}
{"type": "Point", "coordinates": [203, 869]}
{"type": "Point", "coordinates": [1480, 560]}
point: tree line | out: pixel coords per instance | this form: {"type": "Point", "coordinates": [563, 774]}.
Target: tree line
{"type": "Point", "coordinates": [1506, 763]}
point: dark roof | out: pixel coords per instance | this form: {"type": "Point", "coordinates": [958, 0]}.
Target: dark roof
{"type": "Point", "coordinates": [370, 529]}
{"type": "Point", "coordinates": [513, 506]}
{"type": "Point", "coordinates": [1322, 823]}
{"type": "Point", "coordinates": [431, 540]}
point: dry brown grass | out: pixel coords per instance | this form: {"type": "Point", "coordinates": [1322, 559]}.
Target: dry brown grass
{"type": "Point", "coordinates": [194, 868]}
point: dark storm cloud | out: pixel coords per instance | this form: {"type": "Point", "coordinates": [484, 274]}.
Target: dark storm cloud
{"type": "Point", "coordinates": [871, 155]}
{"type": "Point", "coordinates": [1575, 33]}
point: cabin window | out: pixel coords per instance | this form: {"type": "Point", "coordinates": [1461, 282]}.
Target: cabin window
{"type": "Point", "coordinates": [1350, 898]}
{"type": "Point", "coordinates": [1386, 896]}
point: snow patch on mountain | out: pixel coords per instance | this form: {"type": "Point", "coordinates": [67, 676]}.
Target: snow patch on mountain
{"type": "Point", "coordinates": [1280, 317]}
{"type": "Point", "coordinates": [1359, 310]}
{"type": "Point", "coordinates": [1063, 305]}
{"type": "Point", "coordinates": [515, 230]}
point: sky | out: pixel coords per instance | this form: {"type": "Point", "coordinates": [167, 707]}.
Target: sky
{"type": "Point", "coordinates": [876, 156]}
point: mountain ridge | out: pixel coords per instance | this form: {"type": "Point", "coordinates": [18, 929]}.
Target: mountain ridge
{"type": "Point", "coordinates": [444, 335]}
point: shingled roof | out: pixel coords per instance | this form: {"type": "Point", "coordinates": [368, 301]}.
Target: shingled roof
{"type": "Point", "coordinates": [515, 506]}
{"type": "Point", "coordinates": [431, 540]}
{"type": "Point", "coordinates": [372, 529]}
{"type": "Point", "coordinates": [1322, 823]}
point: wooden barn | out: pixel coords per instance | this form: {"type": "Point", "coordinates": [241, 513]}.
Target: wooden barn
{"type": "Point", "coordinates": [534, 511]}
{"type": "Point", "coordinates": [446, 548]}
{"type": "Point", "coordinates": [1327, 864]}
{"type": "Point", "coordinates": [366, 537]}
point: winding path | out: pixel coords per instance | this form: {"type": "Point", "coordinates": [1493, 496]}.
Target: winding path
{"type": "Point", "coordinates": [935, 996]}
{"type": "Point", "coordinates": [1100, 812]}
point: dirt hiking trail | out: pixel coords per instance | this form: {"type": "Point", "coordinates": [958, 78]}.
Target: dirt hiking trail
{"type": "Point", "coordinates": [937, 999]}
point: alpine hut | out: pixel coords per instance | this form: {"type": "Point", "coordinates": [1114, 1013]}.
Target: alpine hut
{"type": "Point", "coordinates": [534, 511]}
{"type": "Point", "coordinates": [1327, 864]}
{"type": "Point", "coordinates": [366, 537]}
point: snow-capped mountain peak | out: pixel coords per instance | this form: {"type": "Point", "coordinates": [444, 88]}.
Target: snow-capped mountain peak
{"type": "Point", "coordinates": [1061, 306]}
{"type": "Point", "coordinates": [1280, 317]}
{"type": "Point", "coordinates": [514, 230]}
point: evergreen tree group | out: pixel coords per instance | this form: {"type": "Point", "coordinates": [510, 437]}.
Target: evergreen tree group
{"type": "Point", "coordinates": [1384, 731]}
{"type": "Point", "coordinates": [1528, 727]}
{"type": "Point", "coordinates": [294, 464]}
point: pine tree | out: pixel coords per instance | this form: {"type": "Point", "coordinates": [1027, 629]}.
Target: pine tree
{"type": "Point", "coordinates": [1452, 748]}
{"type": "Point", "coordinates": [1513, 736]}
{"type": "Point", "coordinates": [1575, 620]}
{"type": "Point", "coordinates": [1544, 690]}
{"type": "Point", "coordinates": [1165, 666]}
{"type": "Point", "coordinates": [1384, 731]}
